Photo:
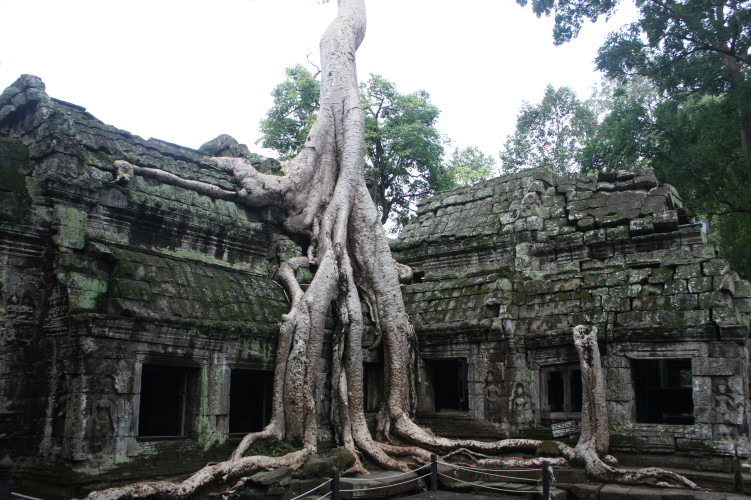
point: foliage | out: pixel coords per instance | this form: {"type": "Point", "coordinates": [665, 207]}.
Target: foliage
{"type": "Point", "coordinates": [470, 166]}
{"type": "Point", "coordinates": [288, 121]}
{"type": "Point", "coordinates": [404, 150]}
{"type": "Point", "coordinates": [549, 134]}
{"type": "Point", "coordinates": [692, 144]}
{"type": "Point", "coordinates": [626, 133]}
{"type": "Point", "coordinates": [696, 134]}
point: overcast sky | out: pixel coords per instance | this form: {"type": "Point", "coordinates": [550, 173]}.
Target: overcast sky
{"type": "Point", "coordinates": [186, 71]}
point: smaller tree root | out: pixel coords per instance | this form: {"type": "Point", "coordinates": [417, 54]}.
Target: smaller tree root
{"type": "Point", "coordinates": [271, 432]}
{"type": "Point", "coordinates": [223, 471]}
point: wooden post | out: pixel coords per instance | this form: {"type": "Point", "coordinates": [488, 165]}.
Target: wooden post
{"type": "Point", "coordinates": [546, 481]}
{"type": "Point", "coordinates": [335, 483]}
{"type": "Point", "coordinates": [433, 472]}
{"type": "Point", "coordinates": [6, 469]}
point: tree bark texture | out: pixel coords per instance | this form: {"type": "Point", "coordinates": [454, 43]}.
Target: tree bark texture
{"type": "Point", "coordinates": [327, 203]}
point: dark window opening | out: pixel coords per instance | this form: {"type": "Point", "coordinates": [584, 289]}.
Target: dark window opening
{"type": "Point", "coordinates": [492, 310]}
{"type": "Point", "coordinates": [449, 381]}
{"type": "Point", "coordinates": [373, 383]}
{"type": "Point", "coordinates": [250, 400]}
{"type": "Point", "coordinates": [561, 391]}
{"type": "Point", "coordinates": [663, 391]}
{"type": "Point", "coordinates": [167, 401]}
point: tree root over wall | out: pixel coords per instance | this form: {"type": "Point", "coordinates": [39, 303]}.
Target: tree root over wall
{"type": "Point", "coordinates": [328, 205]}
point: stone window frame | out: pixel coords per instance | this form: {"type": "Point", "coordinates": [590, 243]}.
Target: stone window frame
{"type": "Point", "coordinates": [567, 413]}
{"type": "Point", "coordinates": [540, 359]}
{"type": "Point", "coordinates": [692, 350]}
{"type": "Point", "coordinates": [663, 372]}
{"type": "Point", "coordinates": [228, 366]}
{"type": "Point", "coordinates": [194, 363]}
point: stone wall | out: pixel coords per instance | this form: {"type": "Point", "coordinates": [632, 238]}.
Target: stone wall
{"type": "Point", "coordinates": [100, 278]}
{"type": "Point", "coordinates": [509, 267]}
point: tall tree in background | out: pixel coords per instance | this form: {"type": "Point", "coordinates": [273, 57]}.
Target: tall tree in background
{"type": "Point", "coordinates": [403, 147]}
{"type": "Point", "coordinates": [627, 134]}
{"type": "Point", "coordinates": [549, 134]}
{"type": "Point", "coordinates": [294, 111]}
{"type": "Point", "coordinates": [695, 53]}
{"type": "Point", "coordinates": [470, 166]}
{"type": "Point", "coordinates": [404, 150]}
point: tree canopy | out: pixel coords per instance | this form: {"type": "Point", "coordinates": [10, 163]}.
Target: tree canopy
{"type": "Point", "coordinates": [549, 134]}
{"type": "Point", "coordinates": [404, 150]}
{"type": "Point", "coordinates": [470, 166]}
{"type": "Point", "coordinates": [296, 103]}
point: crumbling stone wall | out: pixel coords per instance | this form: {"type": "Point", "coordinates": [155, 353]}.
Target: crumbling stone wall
{"type": "Point", "coordinates": [102, 275]}
{"type": "Point", "coordinates": [510, 266]}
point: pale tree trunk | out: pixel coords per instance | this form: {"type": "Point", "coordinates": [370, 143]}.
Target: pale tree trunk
{"type": "Point", "coordinates": [594, 439]}
{"type": "Point", "coordinates": [327, 201]}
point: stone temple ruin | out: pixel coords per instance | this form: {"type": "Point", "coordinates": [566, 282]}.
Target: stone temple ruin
{"type": "Point", "coordinates": [134, 311]}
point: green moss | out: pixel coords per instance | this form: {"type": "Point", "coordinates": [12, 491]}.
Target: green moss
{"type": "Point", "coordinates": [85, 292]}
{"type": "Point", "coordinates": [72, 230]}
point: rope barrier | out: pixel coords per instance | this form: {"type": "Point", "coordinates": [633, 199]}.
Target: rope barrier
{"type": "Point", "coordinates": [491, 470]}
{"type": "Point", "coordinates": [386, 485]}
{"type": "Point", "coordinates": [386, 477]}
{"type": "Point", "coordinates": [324, 496]}
{"type": "Point", "coordinates": [311, 491]}
{"type": "Point", "coordinates": [528, 479]}
{"type": "Point", "coordinates": [480, 485]}
{"type": "Point", "coordinates": [18, 495]}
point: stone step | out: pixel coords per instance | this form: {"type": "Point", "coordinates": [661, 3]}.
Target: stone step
{"type": "Point", "coordinates": [380, 485]}
{"type": "Point", "coordinates": [458, 424]}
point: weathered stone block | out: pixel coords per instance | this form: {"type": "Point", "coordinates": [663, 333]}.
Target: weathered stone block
{"type": "Point", "coordinates": [602, 251]}
{"type": "Point", "coordinates": [676, 286]}
{"type": "Point", "coordinates": [617, 233]}
{"type": "Point", "coordinates": [585, 223]}
{"type": "Point", "coordinates": [616, 304]}
{"type": "Point", "coordinates": [715, 268]}
{"type": "Point", "coordinates": [700, 284]}
{"type": "Point", "coordinates": [72, 227]}
{"type": "Point", "coordinates": [687, 271]}
{"type": "Point", "coordinates": [646, 181]}
{"type": "Point", "coordinates": [660, 275]}
{"type": "Point", "coordinates": [666, 221]}
{"type": "Point", "coordinates": [684, 301]}
{"type": "Point", "coordinates": [715, 366]}
{"type": "Point", "coordinates": [641, 226]}
{"type": "Point", "coordinates": [724, 350]}
{"type": "Point", "coordinates": [727, 316]}
{"type": "Point", "coordinates": [277, 477]}
{"type": "Point", "coordinates": [650, 303]}
{"type": "Point", "coordinates": [638, 276]}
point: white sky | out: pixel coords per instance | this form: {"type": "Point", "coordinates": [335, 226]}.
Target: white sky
{"type": "Point", "coordinates": [185, 71]}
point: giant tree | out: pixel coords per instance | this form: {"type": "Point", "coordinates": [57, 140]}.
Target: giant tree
{"type": "Point", "coordinates": [327, 203]}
